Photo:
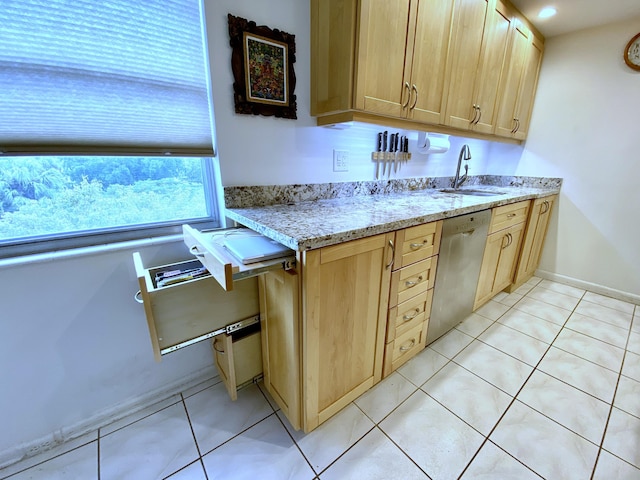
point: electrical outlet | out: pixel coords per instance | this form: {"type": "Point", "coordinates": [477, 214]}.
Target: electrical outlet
{"type": "Point", "coordinates": [340, 160]}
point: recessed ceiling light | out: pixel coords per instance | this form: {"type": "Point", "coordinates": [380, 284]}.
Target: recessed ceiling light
{"type": "Point", "coordinates": [547, 12]}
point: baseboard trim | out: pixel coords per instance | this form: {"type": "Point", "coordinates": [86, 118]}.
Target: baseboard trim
{"type": "Point", "coordinates": [592, 287]}
{"type": "Point", "coordinates": [103, 418]}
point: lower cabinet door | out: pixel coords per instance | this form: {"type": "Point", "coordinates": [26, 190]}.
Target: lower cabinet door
{"type": "Point", "coordinates": [345, 299]}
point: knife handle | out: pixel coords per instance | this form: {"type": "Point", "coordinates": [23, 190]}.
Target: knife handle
{"type": "Point", "coordinates": [384, 141]}
{"type": "Point", "coordinates": [395, 147]}
{"type": "Point", "coordinates": [379, 144]}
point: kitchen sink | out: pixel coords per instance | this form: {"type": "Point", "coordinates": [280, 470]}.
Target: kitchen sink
{"type": "Point", "coordinates": [472, 191]}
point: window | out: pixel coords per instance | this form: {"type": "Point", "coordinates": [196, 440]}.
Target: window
{"type": "Point", "coordinates": [106, 129]}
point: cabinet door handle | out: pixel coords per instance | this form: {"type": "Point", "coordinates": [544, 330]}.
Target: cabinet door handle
{"type": "Point", "coordinates": [215, 347]}
{"type": "Point", "coordinates": [413, 283]}
{"type": "Point", "coordinates": [475, 114]}
{"type": "Point", "coordinates": [408, 346]}
{"type": "Point", "coordinates": [393, 255]}
{"type": "Point", "coordinates": [506, 237]}
{"type": "Point", "coordinates": [138, 297]}
{"type": "Point", "coordinates": [545, 207]}
{"type": "Point", "coordinates": [408, 87]}
{"type": "Point", "coordinates": [194, 251]}
{"type": "Point", "coordinates": [417, 246]}
{"type": "Point", "coordinates": [515, 125]}
{"type": "Point", "coordinates": [410, 316]}
{"type": "Point", "coordinates": [479, 115]}
{"type": "Point", "coordinates": [415, 89]}
{"type": "Point", "coordinates": [510, 239]}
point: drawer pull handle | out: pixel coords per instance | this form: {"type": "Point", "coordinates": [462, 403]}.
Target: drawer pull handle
{"type": "Point", "coordinates": [138, 297]}
{"type": "Point", "coordinates": [413, 283]}
{"type": "Point", "coordinates": [194, 251]}
{"type": "Point", "coordinates": [417, 246]}
{"type": "Point", "coordinates": [410, 316]}
{"type": "Point", "coordinates": [511, 215]}
{"type": "Point", "coordinates": [406, 347]}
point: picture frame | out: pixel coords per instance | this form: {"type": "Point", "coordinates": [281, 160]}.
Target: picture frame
{"type": "Point", "coordinates": [262, 63]}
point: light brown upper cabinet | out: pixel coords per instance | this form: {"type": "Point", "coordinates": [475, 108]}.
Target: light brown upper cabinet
{"type": "Point", "coordinates": [480, 35]}
{"type": "Point", "coordinates": [519, 82]}
{"type": "Point", "coordinates": [413, 63]}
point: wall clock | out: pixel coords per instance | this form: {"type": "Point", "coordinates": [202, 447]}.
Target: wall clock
{"type": "Point", "coordinates": [632, 53]}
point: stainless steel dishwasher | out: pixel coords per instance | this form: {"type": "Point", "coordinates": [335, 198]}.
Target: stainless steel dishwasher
{"type": "Point", "coordinates": [459, 261]}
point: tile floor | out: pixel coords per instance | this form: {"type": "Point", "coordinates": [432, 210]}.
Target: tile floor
{"type": "Point", "coordinates": [544, 382]}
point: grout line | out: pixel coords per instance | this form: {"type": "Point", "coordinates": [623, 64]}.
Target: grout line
{"type": "Point", "coordinates": [296, 444]}
{"type": "Point", "coordinates": [350, 447]}
{"type": "Point", "coordinates": [195, 440]}
{"type": "Point", "coordinates": [98, 459]}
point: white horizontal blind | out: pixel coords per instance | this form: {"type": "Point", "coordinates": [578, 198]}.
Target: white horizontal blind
{"type": "Point", "coordinates": [94, 76]}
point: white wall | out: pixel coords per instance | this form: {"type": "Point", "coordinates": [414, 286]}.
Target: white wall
{"type": "Point", "coordinates": [585, 128]}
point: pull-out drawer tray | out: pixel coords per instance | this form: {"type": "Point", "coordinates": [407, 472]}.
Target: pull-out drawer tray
{"type": "Point", "coordinates": [224, 267]}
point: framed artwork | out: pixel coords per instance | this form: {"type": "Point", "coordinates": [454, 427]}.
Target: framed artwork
{"type": "Point", "coordinates": [262, 62]}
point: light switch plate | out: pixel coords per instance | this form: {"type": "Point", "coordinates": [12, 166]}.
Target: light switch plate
{"type": "Point", "coordinates": [340, 160]}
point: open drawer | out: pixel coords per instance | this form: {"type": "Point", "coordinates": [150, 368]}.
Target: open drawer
{"type": "Point", "coordinates": [224, 267]}
{"type": "Point", "coordinates": [181, 314]}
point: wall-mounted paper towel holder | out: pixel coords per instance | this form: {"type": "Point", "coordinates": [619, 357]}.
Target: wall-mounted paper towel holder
{"type": "Point", "coordinates": [432, 143]}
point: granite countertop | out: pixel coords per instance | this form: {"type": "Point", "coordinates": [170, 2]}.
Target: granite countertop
{"type": "Point", "coordinates": [321, 222]}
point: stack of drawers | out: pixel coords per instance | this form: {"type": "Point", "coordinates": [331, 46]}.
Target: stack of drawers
{"type": "Point", "coordinates": [412, 281]}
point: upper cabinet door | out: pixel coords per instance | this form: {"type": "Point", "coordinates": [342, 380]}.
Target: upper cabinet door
{"type": "Point", "coordinates": [464, 56]}
{"type": "Point", "coordinates": [494, 48]}
{"type": "Point", "coordinates": [380, 85]}
{"type": "Point", "coordinates": [519, 81]}
{"type": "Point", "coordinates": [428, 53]}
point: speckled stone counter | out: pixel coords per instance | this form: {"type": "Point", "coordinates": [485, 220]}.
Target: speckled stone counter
{"type": "Point", "coordinates": [318, 222]}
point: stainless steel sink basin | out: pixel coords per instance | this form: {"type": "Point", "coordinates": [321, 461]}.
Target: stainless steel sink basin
{"type": "Point", "coordinates": [472, 191]}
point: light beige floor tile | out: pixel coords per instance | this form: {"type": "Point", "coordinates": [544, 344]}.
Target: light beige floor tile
{"type": "Point", "coordinates": [580, 373]}
{"type": "Point", "coordinates": [570, 407]}
{"type": "Point", "coordinates": [216, 418]}
{"type": "Point", "coordinates": [533, 281]}
{"type": "Point", "coordinates": [512, 342]}
{"type": "Point", "coordinates": [81, 463]}
{"type": "Point", "coordinates": [634, 342]}
{"type": "Point", "coordinates": [530, 325]}
{"type": "Point", "coordinates": [264, 451]}
{"type": "Point", "coordinates": [49, 454]}
{"type": "Point", "coordinates": [474, 400]}
{"type": "Point", "coordinates": [604, 314]}
{"type": "Point", "coordinates": [543, 310]}
{"type": "Point", "coordinates": [628, 396]}
{"type": "Point", "coordinates": [140, 414]}
{"type": "Point", "coordinates": [153, 447]}
{"type": "Point", "coordinates": [423, 366]}
{"type": "Point", "coordinates": [614, 303]}
{"type": "Point", "coordinates": [438, 441]}
{"type": "Point", "coordinates": [562, 288]}
{"type": "Point", "coordinates": [597, 329]}
{"type": "Point", "coordinates": [635, 326]}
{"type": "Point", "coordinates": [378, 402]}
{"type": "Point", "coordinates": [332, 438]}
{"type": "Point", "coordinates": [492, 310]}
{"type": "Point", "coordinates": [524, 289]}
{"type": "Point", "coordinates": [201, 386]}
{"type": "Point", "coordinates": [474, 325]}
{"type": "Point", "coordinates": [546, 447]}
{"type": "Point", "coordinates": [494, 366]}
{"type": "Point", "coordinates": [553, 298]}
{"type": "Point", "coordinates": [451, 343]}
{"type": "Point", "coordinates": [631, 366]}
{"type": "Point", "coordinates": [610, 467]}
{"type": "Point", "coordinates": [195, 471]}
{"type": "Point", "coordinates": [589, 348]}
{"type": "Point", "coordinates": [623, 436]}
{"type": "Point", "coordinates": [494, 463]}
{"type": "Point", "coordinates": [374, 457]}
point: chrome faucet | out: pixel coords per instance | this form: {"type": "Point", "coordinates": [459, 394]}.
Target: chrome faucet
{"type": "Point", "coordinates": [465, 154]}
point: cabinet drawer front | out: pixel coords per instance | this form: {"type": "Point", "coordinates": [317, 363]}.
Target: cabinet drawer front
{"type": "Point", "coordinates": [407, 342]}
{"type": "Point", "coordinates": [409, 314]}
{"type": "Point", "coordinates": [418, 243]}
{"type": "Point", "coordinates": [509, 215]}
{"type": "Point", "coordinates": [412, 280]}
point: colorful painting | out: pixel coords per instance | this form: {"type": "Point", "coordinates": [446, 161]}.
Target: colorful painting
{"type": "Point", "coordinates": [266, 70]}
{"type": "Point", "coordinates": [262, 62]}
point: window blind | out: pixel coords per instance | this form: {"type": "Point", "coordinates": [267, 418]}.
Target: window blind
{"type": "Point", "coordinates": [93, 77]}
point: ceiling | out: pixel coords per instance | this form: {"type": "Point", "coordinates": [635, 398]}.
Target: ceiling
{"type": "Point", "coordinates": [577, 14]}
